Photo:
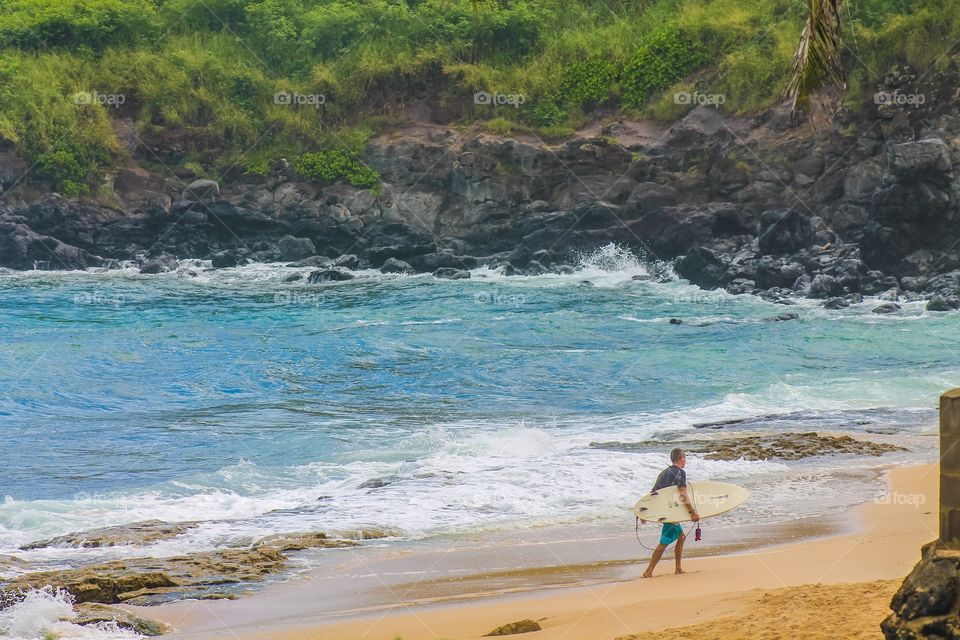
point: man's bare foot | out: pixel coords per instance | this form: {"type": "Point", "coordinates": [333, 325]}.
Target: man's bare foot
{"type": "Point", "coordinates": [679, 571]}
{"type": "Point", "coordinates": [646, 575]}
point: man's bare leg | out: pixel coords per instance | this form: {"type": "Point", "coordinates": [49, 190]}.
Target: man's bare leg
{"type": "Point", "coordinates": [679, 553]}
{"type": "Point", "coordinates": [657, 554]}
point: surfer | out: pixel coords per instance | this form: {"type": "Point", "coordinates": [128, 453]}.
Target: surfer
{"type": "Point", "coordinates": [672, 476]}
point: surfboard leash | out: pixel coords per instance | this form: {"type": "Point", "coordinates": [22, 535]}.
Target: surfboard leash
{"type": "Point", "coordinates": [686, 533]}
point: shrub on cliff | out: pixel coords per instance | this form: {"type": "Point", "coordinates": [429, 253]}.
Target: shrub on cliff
{"type": "Point", "coordinates": [337, 164]}
{"type": "Point", "coordinates": [663, 57]}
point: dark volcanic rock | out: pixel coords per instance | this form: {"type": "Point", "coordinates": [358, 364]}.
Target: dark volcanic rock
{"type": "Point", "coordinates": [927, 602]}
{"type": "Point", "coordinates": [225, 259]}
{"type": "Point", "coordinates": [450, 273]}
{"type": "Point", "coordinates": [329, 275]}
{"type": "Point", "coordinates": [887, 307]}
{"type": "Point", "coordinates": [943, 303]}
{"type": "Point", "coordinates": [290, 248]}
{"type": "Point", "coordinates": [782, 317]}
{"type": "Point", "coordinates": [160, 264]}
{"type": "Point", "coordinates": [22, 248]}
{"type": "Point", "coordinates": [784, 232]}
{"type": "Point", "coordinates": [702, 267]}
{"type": "Point", "coordinates": [395, 265]}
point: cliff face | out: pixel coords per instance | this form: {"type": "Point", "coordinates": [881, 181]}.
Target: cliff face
{"type": "Point", "coordinates": [870, 206]}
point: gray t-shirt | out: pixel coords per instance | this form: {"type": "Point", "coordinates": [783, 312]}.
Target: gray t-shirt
{"type": "Point", "coordinates": [672, 476]}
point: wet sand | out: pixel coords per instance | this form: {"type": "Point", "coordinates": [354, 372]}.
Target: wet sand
{"type": "Point", "coordinates": [459, 591]}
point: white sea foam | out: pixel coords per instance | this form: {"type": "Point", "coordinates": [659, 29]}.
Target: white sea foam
{"type": "Point", "coordinates": [45, 613]}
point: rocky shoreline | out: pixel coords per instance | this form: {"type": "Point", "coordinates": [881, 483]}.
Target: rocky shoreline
{"type": "Point", "coordinates": [867, 208]}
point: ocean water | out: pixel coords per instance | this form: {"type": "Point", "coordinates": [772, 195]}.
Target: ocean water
{"type": "Point", "coordinates": [256, 405]}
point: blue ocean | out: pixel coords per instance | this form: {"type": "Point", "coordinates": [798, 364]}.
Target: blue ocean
{"type": "Point", "coordinates": [256, 405]}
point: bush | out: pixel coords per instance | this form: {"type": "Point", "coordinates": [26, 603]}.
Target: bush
{"type": "Point", "coordinates": [330, 166]}
{"type": "Point", "coordinates": [547, 113]}
{"type": "Point", "coordinates": [663, 57]}
{"type": "Point", "coordinates": [79, 24]}
{"type": "Point", "coordinates": [588, 83]}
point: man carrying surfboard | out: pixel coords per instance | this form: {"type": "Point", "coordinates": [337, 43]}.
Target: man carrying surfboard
{"type": "Point", "coordinates": [673, 476]}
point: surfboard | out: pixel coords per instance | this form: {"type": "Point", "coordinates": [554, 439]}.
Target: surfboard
{"type": "Point", "coordinates": [709, 498]}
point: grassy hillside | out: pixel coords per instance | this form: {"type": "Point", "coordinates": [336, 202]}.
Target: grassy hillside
{"type": "Point", "coordinates": [240, 83]}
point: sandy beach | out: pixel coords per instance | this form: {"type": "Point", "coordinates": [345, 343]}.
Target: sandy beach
{"type": "Point", "coordinates": [837, 587]}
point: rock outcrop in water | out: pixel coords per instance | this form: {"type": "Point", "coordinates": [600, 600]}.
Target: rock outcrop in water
{"type": "Point", "coordinates": [869, 207]}
{"type": "Point", "coordinates": [789, 446]}
{"type": "Point", "coordinates": [215, 574]}
{"type": "Point", "coordinates": [140, 533]}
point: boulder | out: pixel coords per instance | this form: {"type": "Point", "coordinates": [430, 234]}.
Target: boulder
{"type": "Point", "coordinates": [225, 259]}
{"type": "Point", "coordinates": [290, 248]}
{"type": "Point", "coordinates": [329, 275]}
{"type": "Point", "coordinates": [22, 248]}
{"type": "Point", "coordinates": [824, 286]}
{"type": "Point", "coordinates": [908, 161]}
{"type": "Point", "coordinates": [887, 307]}
{"type": "Point", "coordinates": [451, 273]}
{"type": "Point", "coordinates": [943, 303]}
{"type": "Point", "coordinates": [161, 264]}
{"type": "Point", "coordinates": [783, 231]}
{"type": "Point", "coordinates": [395, 265]}
{"type": "Point", "coordinates": [836, 303]}
{"type": "Point", "coordinates": [201, 190]}
{"type": "Point", "coordinates": [702, 267]}
{"type": "Point", "coordinates": [926, 604]}
{"type": "Point", "coordinates": [347, 261]}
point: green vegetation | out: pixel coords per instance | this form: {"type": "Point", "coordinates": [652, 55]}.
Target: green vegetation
{"type": "Point", "coordinates": [335, 164]}
{"type": "Point", "coordinates": [231, 86]}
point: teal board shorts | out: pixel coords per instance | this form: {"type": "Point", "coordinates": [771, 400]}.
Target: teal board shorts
{"type": "Point", "coordinates": [670, 533]}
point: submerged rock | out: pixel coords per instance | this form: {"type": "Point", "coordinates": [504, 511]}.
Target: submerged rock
{"type": "Point", "coordinates": [782, 317]}
{"type": "Point", "coordinates": [451, 273]}
{"type": "Point", "coordinates": [887, 307]}
{"type": "Point", "coordinates": [376, 483]}
{"type": "Point", "coordinates": [329, 275]}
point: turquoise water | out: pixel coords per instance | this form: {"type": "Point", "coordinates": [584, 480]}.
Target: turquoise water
{"type": "Point", "coordinates": [256, 405]}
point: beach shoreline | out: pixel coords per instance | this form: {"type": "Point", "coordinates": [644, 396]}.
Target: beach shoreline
{"type": "Point", "coordinates": [881, 543]}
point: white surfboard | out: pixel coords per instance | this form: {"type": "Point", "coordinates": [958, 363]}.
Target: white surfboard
{"type": "Point", "coordinates": [709, 498]}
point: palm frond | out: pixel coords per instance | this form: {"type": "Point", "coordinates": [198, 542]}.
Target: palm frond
{"type": "Point", "coordinates": [816, 78]}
